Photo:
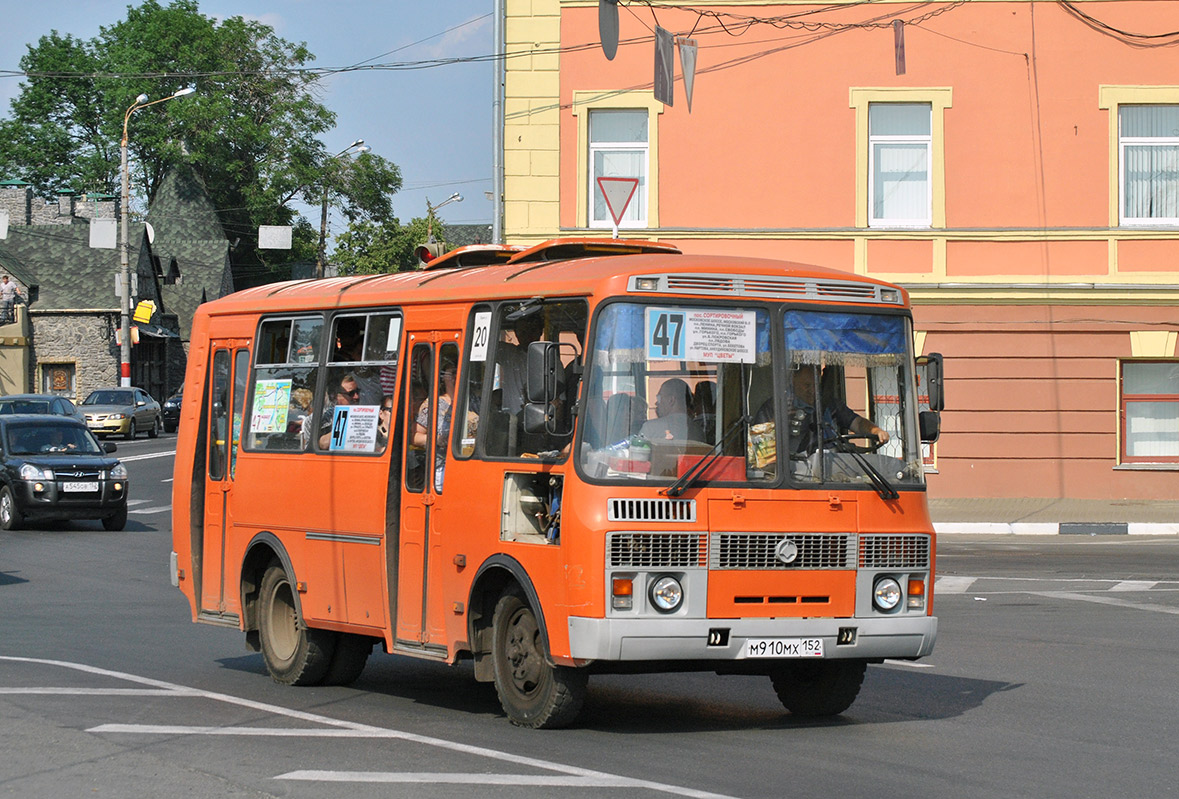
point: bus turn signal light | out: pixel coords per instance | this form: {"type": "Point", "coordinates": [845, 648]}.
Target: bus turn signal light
{"type": "Point", "coordinates": [916, 594]}
{"type": "Point", "coordinates": [623, 593]}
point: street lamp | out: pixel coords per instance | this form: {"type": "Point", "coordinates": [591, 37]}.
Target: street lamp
{"type": "Point", "coordinates": [430, 209]}
{"type": "Point", "coordinates": [355, 147]}
{"type": "Point", "coordinates": [124, 256]}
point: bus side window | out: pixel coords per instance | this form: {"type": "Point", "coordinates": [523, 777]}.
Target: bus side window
{"type": "Point", "coordinates": [421, 374]}
{"type": "Point", "coordinates": [281, 394]}
{"type": "Point", "coordinates": [470, 398]}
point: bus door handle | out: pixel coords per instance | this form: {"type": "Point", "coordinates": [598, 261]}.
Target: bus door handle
{"type": "Point", "coordinates": [427, 499]}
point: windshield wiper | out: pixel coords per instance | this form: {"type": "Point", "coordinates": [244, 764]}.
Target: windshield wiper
{"type": "Point", "coordinates": [689, 477]}
{"type": "Point", "coordinates": [878, 481]}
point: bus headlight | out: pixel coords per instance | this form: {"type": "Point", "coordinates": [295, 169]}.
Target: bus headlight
{"type": "Point", "coordinates": [886, 594]}
{"type": "Point", "coordinates": [667, 594]}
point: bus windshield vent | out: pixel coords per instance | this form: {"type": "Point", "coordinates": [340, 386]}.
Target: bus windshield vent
{"type": "Point", "coordinates": [652, 510]}
{"type": "Point", "coordinates": [894, 552]}
{"type": "Point", "coordinates": [782, 551]}
{"type": "Point", "coordinates": [764, 286]}
{"type": "Point", "coordinates": [657, 550]}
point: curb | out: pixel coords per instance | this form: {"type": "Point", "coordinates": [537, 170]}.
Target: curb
{"type": "Point", "coordinates": [1056, 528]}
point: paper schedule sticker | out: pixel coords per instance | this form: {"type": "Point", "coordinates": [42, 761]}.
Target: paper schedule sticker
{"type": "Point", "coordinates": [701, 334]}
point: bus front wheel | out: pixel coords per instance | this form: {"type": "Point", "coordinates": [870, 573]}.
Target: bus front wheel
{"type": "Point", "coordinates": [294, 654]}
{"type": "Point", "coordinates": [533, 692]}
{"type": "Point", "coordinates": [819, 687]}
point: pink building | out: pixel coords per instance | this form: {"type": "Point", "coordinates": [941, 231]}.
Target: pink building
{"type": "Point", "coordinates": [1015, 166]}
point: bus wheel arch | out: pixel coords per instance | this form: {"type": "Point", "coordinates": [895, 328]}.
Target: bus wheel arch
{"type": "Point", "coordinates": [498, 575]}
{"type": "Point", "coordinates": [263, 551]}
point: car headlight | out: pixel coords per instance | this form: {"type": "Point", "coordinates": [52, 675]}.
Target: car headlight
{"type": "Point", "coordinates": [30, 472]}
{"type": "Point", "coordinates": [886, 594]}
{"type": "Point", "coordinates": [667, 594]}
{"type": "Point", "coordinates": [119, 472]}
{"type": "Point", "coordinates": [117, 416]}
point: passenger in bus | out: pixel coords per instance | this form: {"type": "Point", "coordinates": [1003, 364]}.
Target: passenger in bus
{"type": "Point", "coordinates": [442, 426]}
{"type": "Point", "coordinates": [704, 407]}
{"type": "Point", "coordinates": [349, 339]}
{"type": "Point", "coordinates": [673, 420]}
{"type": "Point", "coordinates": [513, 362]}
{"type": "Point", "coordinates": [838, 419]}
{"type": "Point", "coordinates": [346, 392]}
{"type": "Point", "coordinates": [384, 421]}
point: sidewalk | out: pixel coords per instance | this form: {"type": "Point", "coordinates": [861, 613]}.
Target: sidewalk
{"type": "Point", "coordinates": [1023, 516]}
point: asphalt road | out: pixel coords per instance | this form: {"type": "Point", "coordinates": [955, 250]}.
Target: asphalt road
{"type": "Point", "coordinates": [1054, 676]}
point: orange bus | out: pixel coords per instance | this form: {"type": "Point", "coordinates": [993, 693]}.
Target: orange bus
{"type": "Point", "coordinates": [584, 457]}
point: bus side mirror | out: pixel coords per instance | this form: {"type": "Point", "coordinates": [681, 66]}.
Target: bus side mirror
{"type": "Point", "coordinates": [933, 380]}
{"type": "Point", "coordinates": [931, 425]}
{"type": "Point", "coordinates": [542, 371]}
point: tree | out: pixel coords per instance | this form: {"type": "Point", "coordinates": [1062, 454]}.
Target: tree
{"type": "Point", "coordinates": [251, 130]}
{"type": "Point", "coordinates": [369, 247]}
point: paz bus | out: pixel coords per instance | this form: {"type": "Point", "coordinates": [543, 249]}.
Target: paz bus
{"type": "Point", "coordinates": [585, 457]}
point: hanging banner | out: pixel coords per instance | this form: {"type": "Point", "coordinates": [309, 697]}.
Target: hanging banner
{"type": "Point", "coordinates": [688, 66]}
{"type": "Point", "coordinates": [664, 67]}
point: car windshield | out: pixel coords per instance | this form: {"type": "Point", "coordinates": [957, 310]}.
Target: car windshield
{"type": "Point", "coordinates": [685, 394]}
{"type": "Point", "coordinates": [24, 406]}
{"type": "Point", "coordinates": [48, 439]}
{"type": "Point", "coordinates": [110, 398]}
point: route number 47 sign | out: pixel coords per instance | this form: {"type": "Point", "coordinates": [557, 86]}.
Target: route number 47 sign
{"type": "Point", "coordinates": [701, 334]}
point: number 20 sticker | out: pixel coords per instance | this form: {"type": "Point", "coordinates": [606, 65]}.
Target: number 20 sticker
{"type": "Point", "coordinates": [665, 334]}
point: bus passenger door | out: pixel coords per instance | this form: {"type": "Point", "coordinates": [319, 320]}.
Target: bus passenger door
{"type": "Point", "coordinates": [429, 393]}
{"type": "Point", "coordinates": [225, 391]}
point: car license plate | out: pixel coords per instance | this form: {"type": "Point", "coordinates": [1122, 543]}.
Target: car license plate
{"type": "Point", "coordinates": [783, 648]}
{"type": "Point", "coordinates": [79, 486]}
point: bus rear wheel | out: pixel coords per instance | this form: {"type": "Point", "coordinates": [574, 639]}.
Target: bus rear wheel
{"type": "Point", "coordinates": [294, 654]}
{"type": "Point", "coordinates": [533, 692]}
{"type": "Point", "coordinates": [816, 688]}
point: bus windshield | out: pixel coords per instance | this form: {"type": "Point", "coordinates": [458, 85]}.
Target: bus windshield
{"type": "Point", "coordinates": [678, 393]}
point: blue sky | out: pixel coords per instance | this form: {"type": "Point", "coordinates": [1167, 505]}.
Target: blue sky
{"type": "Point", "coordinates": [433, 123]}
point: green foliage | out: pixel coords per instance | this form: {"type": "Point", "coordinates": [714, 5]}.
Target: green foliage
{"type": "Point", "coordinates": [251, 130]}
{"type": "Point", "coordinates": [370, 247]}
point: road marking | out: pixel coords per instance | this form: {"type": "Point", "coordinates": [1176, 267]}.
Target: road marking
{"type": "Point", "coordinates": [341, 729]}
{"type": "Point", "coordinates": [953, 585]}
{"type": "Point", "coordinates": [148, 455]}
{"type": "Point", "coordinates": [151, 510]}
{"type": "Point", "coordinates": [1135, 585]}
{"type": "Point", "coordinates": [1105, 600]}
{"type": "Point", "coordinates": [94, 691]}
{"type": "Point", "coordinates": [909, 663]}
{"type": "Point", "coordinates": [429, 777]}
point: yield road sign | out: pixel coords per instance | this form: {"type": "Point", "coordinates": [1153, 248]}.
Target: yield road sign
{"type": "Point", "coordinates": [618, 192]}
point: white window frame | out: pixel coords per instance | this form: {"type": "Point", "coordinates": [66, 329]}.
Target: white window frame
{"type": "Point", "coordinates": [604, 147]}
{"type": "Point", "coordinates": [1140, 141]}
{"type": "Point", "coordinates": [585, 102]}
{"type": "Point", "coordinates": [923, 139]}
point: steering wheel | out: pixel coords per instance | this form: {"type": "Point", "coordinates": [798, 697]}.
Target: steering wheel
{"type": "Point", "coordinates": [845, 443]}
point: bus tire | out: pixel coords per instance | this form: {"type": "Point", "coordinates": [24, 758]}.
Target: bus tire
{"type": "Point", "coordinates": [532, 692]}
{"type": "Point", "coordinates": [816, 688]}
{"type": "Point", "coordinates": [294, 653]}
{"type": "Point", "coordinates": [348, 659]}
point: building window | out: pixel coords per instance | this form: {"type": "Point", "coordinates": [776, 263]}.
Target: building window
{"type": "Point", "coordinates": [618, 143]}
{"type": "Point", "coordinates": [1150, 411]}
{"type": "Point", "coordinates": [900, 141]}
{"type": "Point", "coordinates": [617, 136]}
{"type": "Point", "coordinates": [58, 378]}
{"type": "Point", "coordinates": [901, 157]}
{"type": "Point", "coordinates": [1148, 158]}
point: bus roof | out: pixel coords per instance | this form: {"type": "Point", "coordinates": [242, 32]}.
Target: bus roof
{"type": "Point", "coordinates": [599, 267]}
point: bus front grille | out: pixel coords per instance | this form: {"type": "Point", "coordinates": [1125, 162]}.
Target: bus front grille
{"type": "Point", "coordinates": [656, 550]}
{"type": "Point", "coordinates": [894, 552]}
{"type": "Point", "coordinates": [795, 551]}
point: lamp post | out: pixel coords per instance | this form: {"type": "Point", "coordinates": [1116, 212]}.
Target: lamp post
{"type": "Point", "coordinates": [357, 147]}
{"type": "Point", "coordinates": [430, 209]}
{"type": "Point", "coordinates": [124, 255]}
